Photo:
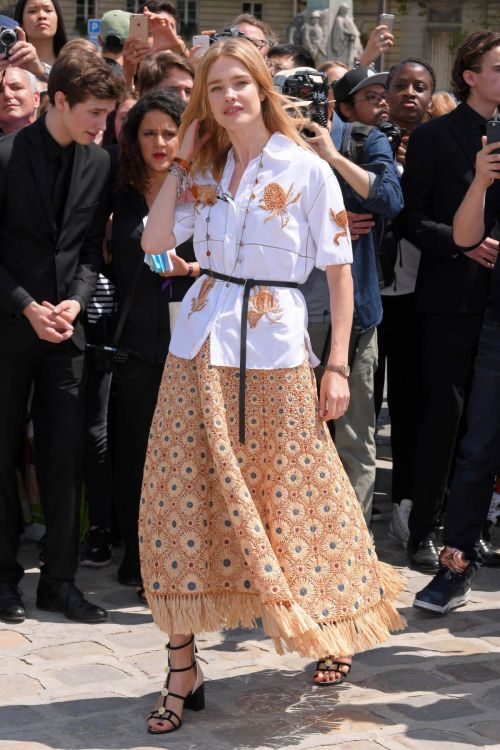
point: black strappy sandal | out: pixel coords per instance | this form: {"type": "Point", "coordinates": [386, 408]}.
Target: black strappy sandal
{"type": "Point", "coordinates": [195, 700]}
{"type": "Point", "coordinates": [331, 665]}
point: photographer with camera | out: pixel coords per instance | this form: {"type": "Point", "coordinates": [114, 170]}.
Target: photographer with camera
{"type": "Point", "coordinates": [16, 51]}
{"type": "Point", "coordinates": [370, 189]}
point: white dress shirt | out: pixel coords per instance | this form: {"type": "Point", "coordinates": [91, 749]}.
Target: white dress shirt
{"type": "Point", "coordinates": [297, 223]}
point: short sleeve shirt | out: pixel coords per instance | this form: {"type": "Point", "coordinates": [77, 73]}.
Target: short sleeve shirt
{"type": "Point", "coordinates": [287, 217]}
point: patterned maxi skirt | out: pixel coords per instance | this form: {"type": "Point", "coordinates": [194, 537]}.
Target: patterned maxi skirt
{"type": "Point", "coordinates": [270, 529]}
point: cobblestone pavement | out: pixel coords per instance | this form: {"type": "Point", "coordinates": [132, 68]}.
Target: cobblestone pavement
{"type": "Point", "coordinates": [67, 686]}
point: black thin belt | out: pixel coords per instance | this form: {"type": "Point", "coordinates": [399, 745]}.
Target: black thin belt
{"type": "Point", "coordinates": [247, 284]}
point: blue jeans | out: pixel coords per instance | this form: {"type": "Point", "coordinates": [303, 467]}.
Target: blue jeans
{"type": "Point", "coordinates": [479, 457]}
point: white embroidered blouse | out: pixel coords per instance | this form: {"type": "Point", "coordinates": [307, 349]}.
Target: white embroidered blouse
{"type": "Point", "coordinates": [296, 220]}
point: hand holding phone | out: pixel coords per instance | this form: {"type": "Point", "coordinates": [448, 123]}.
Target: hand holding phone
{"type": "Point", "coordinates": [139, 27]}
{"type": "Point", "coordinates": [493, 133]}
{"type": "Point", "coordinates": [386, 19]}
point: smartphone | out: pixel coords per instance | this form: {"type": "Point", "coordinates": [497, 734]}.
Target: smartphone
{"type": "Point", "coordinates": [139, 27]}
{"type": "Point", "coordinates": [386, 19]}
{"type": "Point", "coordinates": [493, 133]}
{"type": "Point", "coordinates": [201, 40]}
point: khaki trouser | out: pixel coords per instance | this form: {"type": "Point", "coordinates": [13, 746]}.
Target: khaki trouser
{"type": "Point", "coordinates": [355, 431]}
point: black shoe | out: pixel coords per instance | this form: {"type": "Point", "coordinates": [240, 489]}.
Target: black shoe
{"type": "Point", "coordinates": [423, 555]}
{"type": "Point", "coordinates": [377, 514]}
{"type": "Point", "coordinates": [96, 551]}
{"type": "Point", "coordinates": [486, 553]}
{"type": "Point", "coordinates": [64, 597]}
{"type": "Point", "coordinates": [129, 578]}
{"type": "Point", "coordinates": [447, 590]}
{"type": "Point", "coordinates": [11, 604]}
{"type": "Point", "coordinates": [129, 571]}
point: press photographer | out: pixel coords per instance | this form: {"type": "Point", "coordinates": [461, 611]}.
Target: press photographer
{"type": "Point", "coordinates": [370, 189]}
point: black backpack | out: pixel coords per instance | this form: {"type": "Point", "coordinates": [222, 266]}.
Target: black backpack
{"type": "Point", "coordinates": [386, 236]}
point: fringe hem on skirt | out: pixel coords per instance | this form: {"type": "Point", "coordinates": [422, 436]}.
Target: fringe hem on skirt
{"type": "Point", "coordinates": [289, 626]}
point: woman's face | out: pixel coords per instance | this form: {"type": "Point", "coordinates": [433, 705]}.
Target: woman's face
{"type": "Point", "coordinates": [158, 140]}
{"type": "Point", "coordinates": [39, 20]}
{"type": "Point", "coordinates": [122, 110]}
{"type": "Point", "coordinates": [233, 94]}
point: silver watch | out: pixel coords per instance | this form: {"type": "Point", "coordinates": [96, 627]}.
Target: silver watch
{"type": "Point", "coordinates": [46, 72]}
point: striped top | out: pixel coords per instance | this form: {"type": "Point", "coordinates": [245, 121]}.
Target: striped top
{"type": "Point", "coordinates": [102, 301]}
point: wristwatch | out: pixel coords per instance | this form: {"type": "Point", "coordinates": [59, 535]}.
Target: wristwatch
{"type": "Point", "coordinates": [46, 72]}
{"type": "Point", "coordinates": [341, 369]}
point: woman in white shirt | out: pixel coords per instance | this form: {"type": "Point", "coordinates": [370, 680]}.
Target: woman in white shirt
{"type": "Point", "coordinates": [246, 511]}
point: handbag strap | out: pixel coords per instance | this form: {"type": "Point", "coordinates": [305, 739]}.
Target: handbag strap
{"type": "Point", "coordinates": [127, 303]}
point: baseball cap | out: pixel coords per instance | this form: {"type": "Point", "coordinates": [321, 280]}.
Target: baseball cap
{"type": "Point", "coordinates": [357, 79]}
{"type": "Point", "coordinates": [8, 23]}
{"type": "Point", "coordinates": [115, 23]}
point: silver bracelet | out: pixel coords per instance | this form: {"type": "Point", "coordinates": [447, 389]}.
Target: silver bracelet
{"type": "Point", "coordinates": [181, 175]}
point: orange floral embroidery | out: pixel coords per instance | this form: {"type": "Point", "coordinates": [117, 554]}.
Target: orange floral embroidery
{"type": "Point", "coordinates": [199, 302]}
{"type": "Point", "coordinates": [342, 221]}
{"type": "Point", "coordinates": [276, 201]}
{"type": "Point", "coordinates": [204, 194]}
{"type": "Point", "coordinates": [264, 302]}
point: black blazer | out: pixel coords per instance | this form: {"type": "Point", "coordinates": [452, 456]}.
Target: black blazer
{"type": "Point", "coordinates": [147, 326]}
{"type": "Point", "coordinates": [36, 261]}
{"type": "Point", "coordinates": [440, 165]}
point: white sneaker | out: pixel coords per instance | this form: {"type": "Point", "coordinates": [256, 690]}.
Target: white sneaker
{"type": "Point", "coordinates": [398, 527]}
{"type": "Point", "coordinates": [494, 511]}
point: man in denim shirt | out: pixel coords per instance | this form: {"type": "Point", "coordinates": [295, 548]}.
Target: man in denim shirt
{"type": "Point", "coordinates": [372, 188]}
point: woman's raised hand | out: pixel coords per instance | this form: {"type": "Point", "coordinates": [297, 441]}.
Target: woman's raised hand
{"type": "Point", "coordinates": [192, 143]}
{"type": "Point", "coordinates": [23, 55]}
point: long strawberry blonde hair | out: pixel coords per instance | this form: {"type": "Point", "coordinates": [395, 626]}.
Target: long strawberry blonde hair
{"type": "Point", "coordinates": [275, 107]}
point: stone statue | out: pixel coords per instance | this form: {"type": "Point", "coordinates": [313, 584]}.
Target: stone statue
{"type": "Point", "coordinates": [314, 37]}
{"type": "Point", "coordinates": [296, 28]}
{"type": "Point", "coordinates": [345, 39]}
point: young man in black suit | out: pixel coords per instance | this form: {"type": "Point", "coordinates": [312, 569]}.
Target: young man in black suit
{"type": "Point", "coordinates": [452, 287]}
{"type": "Point", "coordinates": [53, 182]}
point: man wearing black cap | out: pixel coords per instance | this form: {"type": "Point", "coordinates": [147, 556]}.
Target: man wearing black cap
{"type": "Point", "coordinates": [360, 97]}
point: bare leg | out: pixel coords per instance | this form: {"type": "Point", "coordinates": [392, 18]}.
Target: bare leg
{"type": "Point", "coordinates": [181, 683]}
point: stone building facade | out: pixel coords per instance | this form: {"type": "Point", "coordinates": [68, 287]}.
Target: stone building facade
{"type": "Point", "coordinates": [431, 29]}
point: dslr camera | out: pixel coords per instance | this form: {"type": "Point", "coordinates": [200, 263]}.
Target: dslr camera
{"type": "Point", "coordinates": [8, 37]}
{"type": "Point", "coordinates": [393, 133]}
{"type": "Point", "coordinates": [309, 85]}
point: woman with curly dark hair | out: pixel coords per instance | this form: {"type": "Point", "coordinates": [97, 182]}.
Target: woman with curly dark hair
{"type": "Point", "coordinates": [147, 145]}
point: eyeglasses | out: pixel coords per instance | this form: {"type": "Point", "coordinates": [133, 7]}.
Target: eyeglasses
{"type": "Point", "coordinates": [259, 43]}
{"type": "Point", "coordinates": [372, 97]}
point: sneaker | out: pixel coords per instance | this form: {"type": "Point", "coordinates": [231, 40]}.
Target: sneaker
{"type": "Point", "coordinates": [447, 590]}
{"type": "Point", "coordinates": [398, 527]}
{"type": "Point", "coordinates": [96, 551]}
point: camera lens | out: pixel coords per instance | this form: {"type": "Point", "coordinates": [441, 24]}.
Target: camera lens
{"type": "Point", "coordinates": [8, 37]}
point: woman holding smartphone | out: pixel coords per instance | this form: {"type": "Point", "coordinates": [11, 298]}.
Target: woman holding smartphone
{"type": "Point", "coordinates": [246, 510]}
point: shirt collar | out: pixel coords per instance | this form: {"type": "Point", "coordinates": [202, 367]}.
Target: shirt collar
{"type": "Point", "coordinates": [473, 118]}
{"type": "Point", "coordinates": [53, 149]}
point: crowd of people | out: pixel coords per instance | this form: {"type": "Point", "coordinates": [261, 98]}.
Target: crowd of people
{"type": "Point", "coordinates": [181, 243]}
